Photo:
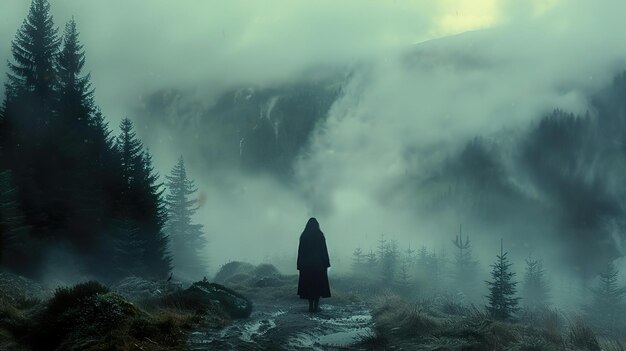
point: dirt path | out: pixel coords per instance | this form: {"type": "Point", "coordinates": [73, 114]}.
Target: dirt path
{"type": "Point", "coordinates": [288, 326]}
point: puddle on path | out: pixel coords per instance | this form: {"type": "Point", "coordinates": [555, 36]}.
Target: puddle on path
{"type": "Point", "coordinates": [289, 327]}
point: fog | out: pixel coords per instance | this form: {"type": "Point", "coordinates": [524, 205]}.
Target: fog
{"type": "Point", "coordinates": [419, 79]}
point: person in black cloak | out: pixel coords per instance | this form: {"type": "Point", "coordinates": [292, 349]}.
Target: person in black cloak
{"type": "Point", "coordinates": [313, 262]}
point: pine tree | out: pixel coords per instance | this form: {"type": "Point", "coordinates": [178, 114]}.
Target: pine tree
{"type": "Point", "coordinates": [78, 150]}
{"type": "Point", "coordinates": [152, 217]}
{"type": "Point", "coordinates": [409, 257]}
{"type": "Point", "coordinates": [382, 247]}
{"type": "Point", "coordinates": [371, 262]}
{"type": "Point", "coordinates": [25, 137]}
{"type": "Point", "coordinates": [104, 161]}
{"type": "Point", "coordinates": [535, 288]}
{"type": "Point", "coordinates": [73, 183]}
{"type": "Point", "coordinates": [188, 241]}
{"type": "Point", "coordinates": [422, 256]}
{"type": "Point", "coordinates": [104, 164]}
{"type": "Point", "coordinates": [607, 305]}
{"type": "Point", "coordinates": [437, 268]}
{"type": "Point", "coordinates": [464, 273]}
{"type": "Point", "coordinates": [406, 264]}
{"type": "Point", "coordinates": [502, 300]}
{"type": "Point", "coordinates": [141, 201]}
{"type": "Point", "coordinates": [34, 49]}
{"type": "Point", "coordinates": [389, 262]}
{"type": "Point", "coordinates": [430, 267]}
{"type": "Point", "coordinates": [130, 150]}
{"type": "Point", "coordinates": [74, 103]}
{"type": "Point", "coordinates": [424, 267]}
{"type": "Point", "coordinates": [404, 278]}
{"type": "Point", "coordinates": [358, 262]}
{"type": "Point", "coordinates": [27, 107]}
{"type": "Point", "coordinates": [128, 251]}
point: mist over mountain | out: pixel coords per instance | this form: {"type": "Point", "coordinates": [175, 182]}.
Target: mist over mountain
{"type": "Point", "coordinates": [549, 177]}
{"type": "Point", "coordinates": [260, 129]}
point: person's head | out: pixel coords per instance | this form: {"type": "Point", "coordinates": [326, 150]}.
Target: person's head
{"type": "Point", "coordinates": [312, 228]}
{"type": "Point", "coordinates": [312, 224]}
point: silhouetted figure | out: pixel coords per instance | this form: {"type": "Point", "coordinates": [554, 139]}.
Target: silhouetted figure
{"type": "Point", "coordinates": [312, 263]}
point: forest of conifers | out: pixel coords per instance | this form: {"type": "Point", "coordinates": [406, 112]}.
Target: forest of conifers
{"type": "Point", "coordinates": [71, 184]}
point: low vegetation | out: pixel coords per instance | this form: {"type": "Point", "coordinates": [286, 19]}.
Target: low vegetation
{"type": "Point", "coordinates": [426, 326]}
{"type": "Point", "coordinates": [90, 316]}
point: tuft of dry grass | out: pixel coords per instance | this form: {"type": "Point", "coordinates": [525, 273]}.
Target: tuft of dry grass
{"type": "Point", "coordinates": [13, 325]}
{"type": "Point", "coordinates": [374, 341]}
{"type": "Point", "coordinates": [612, 345]}
{"type": "Point", "coordinates": [419, 327]}
{"type": "Point", "coordinates": [582, 337]}
{"type": "Point", "coordinates": [395, 317]}
{"type": "Point", "coordinates": [163, 329]}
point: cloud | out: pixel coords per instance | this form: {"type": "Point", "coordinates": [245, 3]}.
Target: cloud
{"type": "Point", "coordinates": [139, 45]}
{"type": "Point", "coordinates": [405, 99]}
{"type": "Point", "coordinates": [428, 100]}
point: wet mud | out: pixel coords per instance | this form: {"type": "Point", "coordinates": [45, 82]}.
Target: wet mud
{"type": "Point", "coordinates": [289, 326]}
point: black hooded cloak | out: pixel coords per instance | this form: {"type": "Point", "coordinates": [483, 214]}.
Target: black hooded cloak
{"type": "Point", "coordinates": [312, 262]}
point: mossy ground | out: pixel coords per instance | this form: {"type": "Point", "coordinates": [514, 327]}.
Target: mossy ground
{"type": "Point", "coordinates": [89, 317]}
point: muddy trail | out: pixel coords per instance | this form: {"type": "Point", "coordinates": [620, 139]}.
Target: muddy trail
{"type": "Point", "coordinates": [289, 326]}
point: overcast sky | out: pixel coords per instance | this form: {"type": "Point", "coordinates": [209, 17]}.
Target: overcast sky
{"type": "Point", "coordinates": [135, 44]}
{"type": "Point", "coordinates": [524, 58]}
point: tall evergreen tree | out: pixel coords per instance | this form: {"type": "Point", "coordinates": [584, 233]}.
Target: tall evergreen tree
{"type": "Point", "coordinates": [409, 257]}
{"type": "Point", "coordinates": [535, 288]}
{"type": "Point", "coordinates": [382, 247]}
{"type": "Point", "coordinates": [128, 253]}
{"type": "Point", "coordinates": [389, 262]}
{"type": "Point", "coordinates": [607, 306]}
{"type": "Point", "coordinates": [371, 261]}
{"type": "Point", "coordinates": [502, 288]}
{"type": "Point", "coordinates": [404, 277]}
{"type": "Point", "coordinates": [141, 202]}
{"type": "Point", "coordinates": [188, 241]}
{"type": "Point", "coordinates": [152, 217]}
{"type": "Point", "coordinates": [130, 150]}
{"type": "Point", "coordinates": [74, 185]}
{"type": "Point", "coordinates": [24, 130]}
{"type": "Point", "coordinates": [77, 150]}
{"type": "Point", "coordinates": [34, 49]}
{"type": "Point", "coordinates": [74, 102]}
{"type": "Point", "coordinates": [429, 268]}
{"type": "Point", "coordinates": [358, 262]}
{"type": "Point", "coordinates": [103, 165]}
{"type": "Point", "coordinates": [465, 267]}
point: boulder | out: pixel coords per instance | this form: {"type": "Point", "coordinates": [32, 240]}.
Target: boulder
{"type": "Point", "coordinates": [205, 295]}
{"type": "Point", "coordinates": [233, 268]}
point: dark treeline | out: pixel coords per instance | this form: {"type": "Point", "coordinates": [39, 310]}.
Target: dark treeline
{"type": "Point", "coordinates": [507, 295]}
{"type": "Point", "coordinates": [66, 182]}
